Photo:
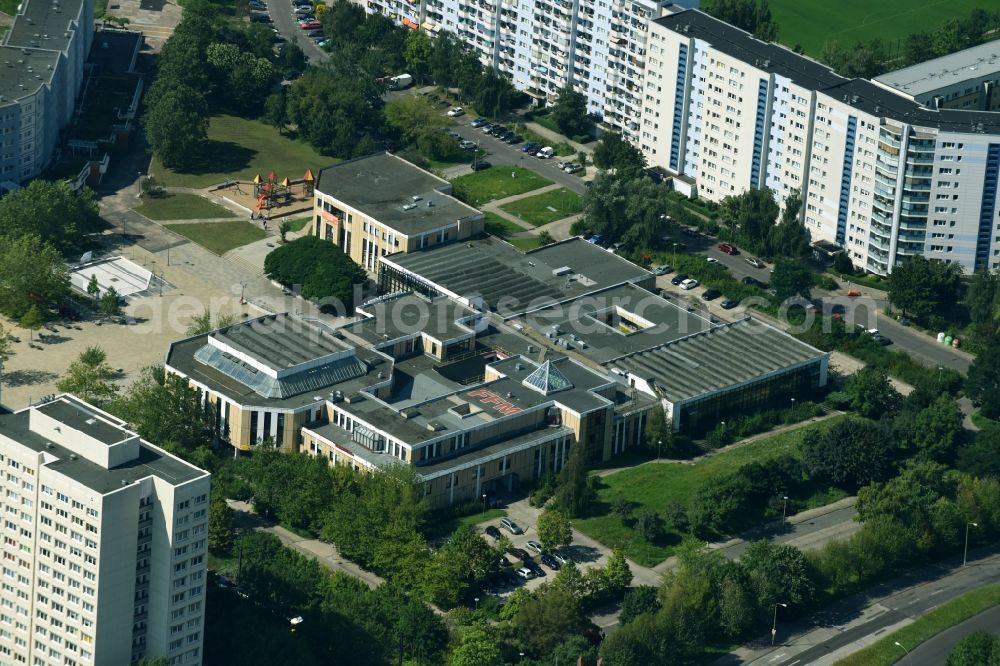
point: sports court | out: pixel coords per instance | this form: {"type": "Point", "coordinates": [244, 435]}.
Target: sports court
{"type": "Point", "coordinates": [127, 278]}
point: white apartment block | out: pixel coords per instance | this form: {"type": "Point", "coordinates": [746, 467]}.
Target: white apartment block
{"type": "Point", "coordinates": [879, 174]}
{"type": "Point", "coordinates": [598, 45]}
{"type": "Point", "coordinates": [41, 75]}
{"type": "Point", "coordinates": [104, 556]}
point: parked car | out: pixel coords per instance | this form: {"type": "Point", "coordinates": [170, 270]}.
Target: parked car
{"type": "Point", "coordinates": [680, 277]}
{"type": "Point", "coordinates": [513, 138]}
{"type": "Point", "coordinates": [262, 18]}
{"type": "Point", "coordinates": [310, 25]}
{"type": "Point", "coordinates": [534, 151]}
{"type": "Point", "coordinates": [755, 262]}
{"type": "Point", "coordinates": [467, 145]}
{"type": "Point", "coordinates": [753, 282]}
{"type": "Point", "coordinates": [315, 34]}
{"type": "Point", "coordinates": [303, 10]}
{"type": "Point", "coordinates": [493, 531]}
{"type": "Point", "coordinates": [711, 294]}
{"type": "Point", "coordinates": [881, 339]}
{"type": "Point", "coordinates": [530, 145]}
{"type": "Point", "coordinates": [545, 153]}
{"type": "Point", "coordinates": [535, 546]}
{"type": "Point", "coordinates": [562, 164]}
{"type": "Point", "coordinates": [503, 136]}
{"type": "Point", "coordinates": [535, 569]}
{"type": "Point", "coordinates": [257, 6]}
{"type": "Point", "coordinates": [498, 131]}
{"type": "Point", "coordinates": [479, 122]}
{"type": "Point", "coordinates": [728, 304]}
{"type": "Point", "coordinates": [728, 248]}
{"type": "Point", "coordinates": [550, 561]}
{"type": "Point", "coordinates": [510, 526]}
{"type": "Point", "coordinates": [573, 168]}
{"type": "Point", "coordinates": [487, 128]}
{"type": "Point", "coordinates": [596, 239]}
{"type": "Point", "coordinates": [455, 112]}
{"type": "Point", "coordinates": [525, 573]}
{"type": "Point", "coordinates": [519, 553]}
{"type": "Point", "coordinates": [711, 260]}
{"type": "Point", "coordinates": [689, 284]}
{"type": "Point", "coordinates": [309, 18]}
{"type": "Point", "coordinates": [479, 165]}
{"type": "Point", "coordinates": [662, 270]}
{"type": "Point", "coordinates": [561, 559]}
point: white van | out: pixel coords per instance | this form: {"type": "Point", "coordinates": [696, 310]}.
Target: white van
{"type": "Point", "coordinates": [545, 153]}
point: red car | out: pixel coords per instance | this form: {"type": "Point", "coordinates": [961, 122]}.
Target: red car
{"type": "Point", "coordinates": [728, 249]}
{"type": "Point", "coordinates": [311, 25]}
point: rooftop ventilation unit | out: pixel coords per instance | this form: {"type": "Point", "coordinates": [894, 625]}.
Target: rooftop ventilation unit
{"type": "Point", "coordinates": [416, 197]}
{"type": "Point", "coordinates": [409, 206]}
{"type": "Point", "coordinates": [337, 396]}
{"type": "Point", "coordinates": [563, 270]}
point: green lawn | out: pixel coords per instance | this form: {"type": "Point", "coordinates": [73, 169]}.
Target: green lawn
{"type": "Point", "coordinates": [496, 183]}
{"type": "Point", "coordinates": [219, 237]}
{"type": "Point", "coordinates": [527, 243]}
{"type": "Point", "coordinates": [9, 7]}
{"type": "Point", "coordinates": [886, 652]}
{"type": "Point", "coordinates": [546, 207]}
{"type": "Point", "coordinates": [499, 226]}
{"type": "Point", "coordinates": [182, 206]}
{"type": "Point", "coordinates": [655, 485]}
{"type": "Point", "coordinates": [238, 148]}
{"type": "Point", "coordinates": [297, 225]}
{"type": "Point", "coordinates": [812, 23]}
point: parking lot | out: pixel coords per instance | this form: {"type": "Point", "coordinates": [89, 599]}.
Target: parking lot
{"type": "Point", "coordinates": [499, 153]}
{"type": "Point", "coordinates": [285, 21]}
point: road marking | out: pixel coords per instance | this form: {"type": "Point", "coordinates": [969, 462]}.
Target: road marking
{"type": "Point", "coordinates": [794, 662]}
{"type": "Point", "coordinates": [933, 592]}
{"type": "Point", "coordinates": [780, 655]}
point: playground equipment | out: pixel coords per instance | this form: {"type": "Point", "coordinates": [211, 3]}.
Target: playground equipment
{"type": "Point", "coordinates": [270, 192]}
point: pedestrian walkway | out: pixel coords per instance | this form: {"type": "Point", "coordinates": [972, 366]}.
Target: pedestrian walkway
{"type": "Point", "coordinates": [556, 137]}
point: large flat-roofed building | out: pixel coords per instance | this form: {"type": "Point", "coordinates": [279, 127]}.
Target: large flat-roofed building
{"type": "Point", "coordinates": [381, 204]}
{"type": "Point", "coordinates": [490, 273]}
{"type": "Point", "coordinates": [106, 555]}
{"type": "Point", "coordinates": [40, 77]}
{"type": "Point", "coordinates": [966, 79]}
{"type": "Point", "coordinates": [881, 172]}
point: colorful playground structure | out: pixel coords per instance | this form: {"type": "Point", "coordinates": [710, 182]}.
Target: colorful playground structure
{"type": "Point", "coordinates": [270, 193]}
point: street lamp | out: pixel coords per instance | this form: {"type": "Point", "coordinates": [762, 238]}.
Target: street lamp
{"type": "Point", "coordinates": [774, 622]}
{"type": "Point", "coordinates": [965, 557]}
{"type": "Point", "coordinates": [675, 255]}
{"type": "Point", "coordinates": [659, 447]}
{"type": "Point", "coordinates": [477, 603]}
{"type": "Point", "coordinates": [484, 512]}
{"type": "Point", "coordinates": [905, 651]}
{"type": "Point", "coordinates": [784, 509]}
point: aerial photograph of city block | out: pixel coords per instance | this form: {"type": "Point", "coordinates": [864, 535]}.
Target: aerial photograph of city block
{"type": "Point", "coordinates": [500, 332]}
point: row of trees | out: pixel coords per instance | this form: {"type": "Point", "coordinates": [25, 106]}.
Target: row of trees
{"type": "Point", "coordinates": [869, 59]}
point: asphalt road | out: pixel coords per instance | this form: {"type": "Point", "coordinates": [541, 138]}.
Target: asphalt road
{"type": "Point", "coordinates": [814, 530]}
{"type": "Point", "coordinates": [861, 616]}
{"type": "Point", "coordinates": [935, 651]}
{"type": "Point", "coordinates": [287, 24]}
{"type": "Point", "coordinates": [499, 153]}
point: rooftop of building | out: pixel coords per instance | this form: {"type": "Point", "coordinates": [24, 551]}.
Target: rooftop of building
{"type": "Point", "coordinates": [394, 192]}
{"type": "Point", "coordinates": [406, 315]}
{"type": "Point", "coordinates": [860, 93]}
{"type": "Point", "coordinates": [23, 71]}
{"type": "Point", "coordinates": [510, 281]}
{"type": "Point", "coordinates": [151, 461]}
{"type": "Point", "coordinates": [321, 362]}
{"type": "Point", "coordinates": [616, 321]}
{"type": "Point", "coordinates": [928, 76]}
{"type": "Point", "coordinates": [45, 24]}
{"type": "Point", "coordinates": [80, 417]}
{"type": "Point", "coordinates": [712, 361]}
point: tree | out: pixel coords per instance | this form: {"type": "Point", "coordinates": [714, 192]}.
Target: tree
{"type": "Point", "coordinates": [570, 112]}
{"type": "Point", "coordinates": [419, 122]}
{"type": "Point", "coordinates": [789, 237]}
{"type": "Point", "coordinates": [790, 278]}
{"type": "Point", "coordinates": [574, 494]}
{"type": "Point", "coordinates": [331, 112]}
{"type": "Point", "coordinates": [93, 289]}
{"type": "Point", "coordinates": [242, 77]}
{"type": "Point", "coordinates": [870, 393]}
{"type": "Point", "coordinates": [546, 619]}
{"type": "Point", "coordinates": [751, 216]}
{"type": "Point", "coordinates": [109, 303]}
{"type": "Point", "coordinates": [153, 661]}
{"type": "Point", "coordinates": [545, 238]}
{"type": "Point", "coordinates": [323, 270]}
{"type": "Point", "coordinates": [554, 529]}
{"type": "Point", "coordinates": [937, 428]}
{"type": "Point", "coordinates": [478, 645]}
{"type": "Point", "coordinates": [615, 154]}
{"type": "Point", "coordinates": [778, 572]}
{"type": "Point", "coordinates": [982, 457]}
{"type": "Point", "coordinates": [852, 453]}
{"type": "Point", "coordinates": [754, 16]}
{"type": "Point", "coordinates": [276, 110]}
{"type": "Point", "coordinates": [202, 323]}
{"type": "Point", "coordinates": [982, 384]}
{"type": "Point", "coordinates": [176, 122]}
{"type": "Point", "coordinates": [920, 287]}
{"type": "Point", "coordinates": [417, 53]}
{"type": "Point", "coordinates": [31, 320]}
{"type": "Point", "coordinates": [32, 273]}
{"type": "Point", "coordinates": [89, 377]}
{"type": "Point", "coordinates": [918, 47]}
{"type": "Point", "coordinates": [221, 534]}
{"type": "Point", "coordinates": [980, 648]}
{"type": "Point", "coordinates": [638, 600]}
{"type": "Point", "coordinates": [650, 525]}
{"type": "Point", "coordinates": [51, 210]}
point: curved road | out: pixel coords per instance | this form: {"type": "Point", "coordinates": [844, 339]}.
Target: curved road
{"type": "Point", "coordinates": [935, 651]}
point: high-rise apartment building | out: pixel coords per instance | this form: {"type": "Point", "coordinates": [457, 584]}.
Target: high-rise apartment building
{"type": "Point", "coordinates": [598, 45]}
{"type": "Point", "coordinates": [104, 556]}
{"type": "Point", "coordinates": [879, 173]}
